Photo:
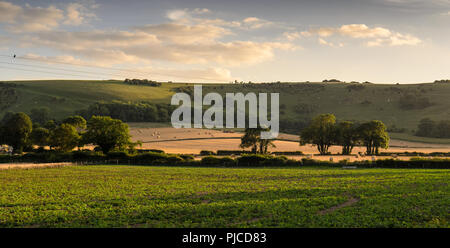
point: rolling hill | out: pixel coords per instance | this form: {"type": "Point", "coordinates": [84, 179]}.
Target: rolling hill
{"type": "Point", "coordinates": [399, 106]}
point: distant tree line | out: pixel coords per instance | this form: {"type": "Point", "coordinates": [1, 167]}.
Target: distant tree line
{"type": "Point", "coordinates": [130, 112]}
{"type": "Point", "coordinates": [324, 131]}
{"type": "Point", "coordinates": [433, 129]}
{"type": "Point", "coordinates": [411, 102]}
{"type": "Point", "coordinates": [442, 81]}
{"type": "Point", "coordinates": [142, 82]}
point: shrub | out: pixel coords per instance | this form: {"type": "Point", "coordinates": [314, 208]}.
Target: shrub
{"type": "Point", "coordinates": [187, 157]}
{"type": "Point", "coordinates": [206, 153]}
{"type": "Point", "coordinates": [230, 152]}
{"type": "Point", "coordinates": [211, 160]}
{"type": "Point", "coordinates": [118, 155]}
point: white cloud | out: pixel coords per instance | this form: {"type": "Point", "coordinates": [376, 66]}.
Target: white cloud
{"type": "Point", "coordinates": [157, 43]}
{"type": "Point", "coordinates": [330, 44]}
{"type": "Point", "coordinates": [291, 36]}
{"type": "Point", "coordinates": [79, 13]}
{"type": "Point", "coordinates": [27, 18]}
{"type": "Point", "coordinates": [255, 23]}
{"type": "Point", "coordinates": [9, 11]}
{"type": "Point", "coordinates": [179, 33]}
{"type": "Point", "coordinates": [395, 39]}
{"type": "Point", "coordinates": [362, 31]}
{"type": "Point", "coordinates": [378, 36]}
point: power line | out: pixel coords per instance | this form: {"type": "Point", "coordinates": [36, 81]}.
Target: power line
{"type": "Point", "coordinates": [62, 69]}
{"type": "Point", "coordinates": [144, 74]}
{"type": "Point", "coordinates": [48, 72]}
{"type": "Point", "coordinates": [67, 63]}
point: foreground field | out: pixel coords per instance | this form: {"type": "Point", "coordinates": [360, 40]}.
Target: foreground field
{"type": "Point", "coordinates": [134, 196]}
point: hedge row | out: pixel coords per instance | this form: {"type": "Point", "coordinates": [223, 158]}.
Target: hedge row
{"type": "Point", "coordinates": [245, 160]}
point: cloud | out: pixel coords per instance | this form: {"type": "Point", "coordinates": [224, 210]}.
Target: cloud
{"type": "Point", "coordinates": [379, 36]}
{"type": "Point", "coordinates": [22, 19]}
{"type": "Point", "coordinates": [255, 23]}
{"type": "Point", "coordinates": [78, 13]}
{"type": "Point", "coordinates": [9, 11]}
{"type": "Point", "coordinates": [326, 43]}
{"type": "Point", "coordinates": [291, 36]}
{"type": "Point", "coordinates": [179, 33]}
{"type": "Point", "coordinates": [212, 74]}
{"type": "Point", "coordinates": [159, 43]}
{"type": "Point", "coordinates": [395, 39]}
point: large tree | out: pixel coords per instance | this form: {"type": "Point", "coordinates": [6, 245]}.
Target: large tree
{"type": "Point", "coordinates": [346, 136]}
{"type": "Point", "coordinates": [40, 136]}
{"type": "Point", "coordinates": [320, 132]}
{"type": "Point", "coordinates": [16, 131]}
{"type": "Point", "coordinates": [107, 133]}
{"type": "Point", "coordinates": [373, 136]}
{"type": "Point", "coordinates": [64, 138]}
{"type": "Point", "coordinates": [77, 121]}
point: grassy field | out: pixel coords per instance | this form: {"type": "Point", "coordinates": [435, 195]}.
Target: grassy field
{"type": "Point", "coordinates": [134, 196]}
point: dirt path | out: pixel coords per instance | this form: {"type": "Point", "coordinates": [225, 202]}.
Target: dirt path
{"type": "Point", "coordinates": [349, 202]}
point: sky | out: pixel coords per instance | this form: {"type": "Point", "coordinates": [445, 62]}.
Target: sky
{"type": "Point", "coordinates": [381, 41]}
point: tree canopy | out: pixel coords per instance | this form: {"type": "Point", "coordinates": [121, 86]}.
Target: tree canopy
{"type": "Point", "coordinates": [320, 132]}
{"type": "Point", "coordinates": [107, 133]}
{"type": "Point", "coordinates": [16, 130]}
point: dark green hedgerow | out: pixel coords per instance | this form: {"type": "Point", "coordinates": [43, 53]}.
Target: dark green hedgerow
{"type": "Point", "coordinates": [245, 160]}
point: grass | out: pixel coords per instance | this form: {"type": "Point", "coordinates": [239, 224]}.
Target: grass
{"type": "Point", "coordinates": [135, 196]}
{"type": "Point", "coordinates": [409, 137]}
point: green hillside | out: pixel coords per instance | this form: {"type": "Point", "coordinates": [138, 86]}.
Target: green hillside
{"type": "Point", "coordinates": [399, 106]}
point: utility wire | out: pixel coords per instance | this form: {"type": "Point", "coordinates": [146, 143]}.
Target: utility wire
{"type": "Point", "coordinates": [67, 63]}
{"type": "Point", "coordinates": [48, 72]}
{"type": "Point", "coordinates": [61, 69]}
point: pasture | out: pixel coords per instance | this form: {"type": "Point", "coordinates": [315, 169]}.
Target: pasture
{"type": "Point", "coordinates": [146, 196]}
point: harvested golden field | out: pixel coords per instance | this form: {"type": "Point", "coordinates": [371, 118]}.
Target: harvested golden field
{"type": "Point", "coordinates": [192, 141]}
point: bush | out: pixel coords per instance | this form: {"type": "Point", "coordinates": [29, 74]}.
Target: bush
{"type": "Point", "coordinates": [211, 160]}
{"type": "Point", "coordinates": [255, 160]}
{"type": "Point", "coordinates": [217, 161]}
{"type": "Point", "coordinates": [117, 155]}
{"type": "Point", "coordinates": [90, 156]}
{"type": "Point", "coordinates": [187, 157]}
{"type": "Point", "coordinates": [230, 152]}
{"type": "Point", "coordinates": [288, 153]}
{"type": "Point", "coordinates": [206, 153]}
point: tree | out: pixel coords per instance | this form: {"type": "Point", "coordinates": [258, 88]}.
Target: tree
{"type": "Point", "coordinates": [252, 138]}
{"type": "Point", "coordinates": [40, 115]}
{"type": "Point", "coordinates": [77, 121]}
{"type": "Point", "coordinates": [320, 132]}
{"type": "Point", "coordinates": [107, 133]}
{"type": "Point", "coordinates": [64, 138]}
{"type": "Point", "coordinates": [16, 130]}
{"type": "Point", "coordinates": [50, 125]}
{"type": "Point", "coordinates": [426, 128]}
{"type": "Point", "coordinates": [40, 136]}
{"type": "Point", "coordinates": [346, 136]}
{"type": "Point", "coordinates": [80, 124]}
{"type": "Point", "coordinates": [373, 135]}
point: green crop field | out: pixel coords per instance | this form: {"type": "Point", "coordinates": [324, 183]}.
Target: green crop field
{"type": "Point", "coordinates": [139, 196]}
{"type": "Point", "coordinates": [298, 101]}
